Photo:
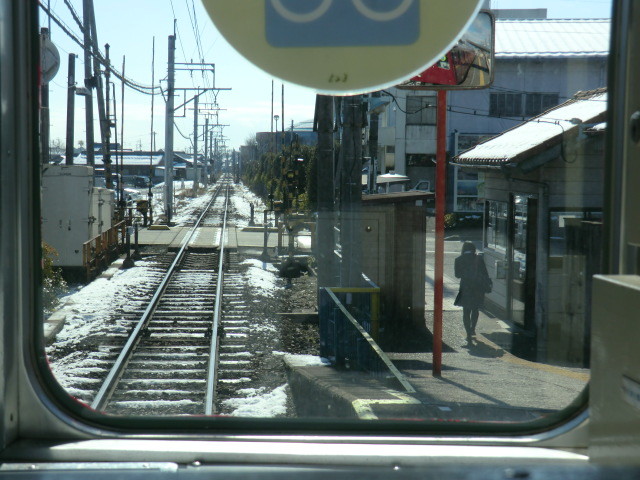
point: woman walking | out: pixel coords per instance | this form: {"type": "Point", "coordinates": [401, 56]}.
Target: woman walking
{"type": "Point", "coordinates": [474, 283]}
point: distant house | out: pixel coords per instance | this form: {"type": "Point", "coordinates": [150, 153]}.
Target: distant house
{"type": "Point", "coordinates": [130, 164]}
{"type": "Point", "coordinates": [134, 165]}
{"type": "Point", "coordinates": [541, 188]}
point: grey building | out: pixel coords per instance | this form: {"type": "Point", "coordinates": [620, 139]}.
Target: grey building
{"type": "Point", "coordinates": [539, 63]}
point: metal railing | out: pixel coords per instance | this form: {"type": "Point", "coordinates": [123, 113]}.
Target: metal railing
{"type": "Point", "coordinates": [98, 252]}
{"type": "Point", "coordinates": [348, 343]}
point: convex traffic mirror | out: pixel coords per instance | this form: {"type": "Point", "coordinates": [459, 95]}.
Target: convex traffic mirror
{"type": "Point", "coordinates": [342, 46]}
{"type": "Point", "coordinates": [468, 65]}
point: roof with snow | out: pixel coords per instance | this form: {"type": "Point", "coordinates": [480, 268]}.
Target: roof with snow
{"type": "Point", "coordinates": [552, 38]}
{"type": "Point", "coordinates": [128, 158]}
{"type": "Point", "coordinates": [539, 133]}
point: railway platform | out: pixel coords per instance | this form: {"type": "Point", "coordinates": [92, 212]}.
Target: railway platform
{"type": "Point", "coordinates": [482, 382]}
{"type": "Point", "coordinates": [486, 381]}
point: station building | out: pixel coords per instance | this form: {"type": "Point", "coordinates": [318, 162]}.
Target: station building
{"type": "Point", "coordinates": [541, 190]}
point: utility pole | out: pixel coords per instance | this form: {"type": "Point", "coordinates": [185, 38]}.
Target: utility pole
{"type": "Point", "coordinates": [120, 183]}
{"type": "Point", "coordinates": [88, 83]}
{"type": "Point", "coordinates": [438, 273]}
{"type": "Point", "coordinates": [168, 132]}
{"type": "Point", "coordinates": [195, 144]}
{"type": "Point", "coordinates": [105, 132]}
{"type": "Point", "coordinates": [200, 91]}
{"type": "Point", "coordinates": [206, 152]}
{"type": "Point", "coordinates": [71, 105]}
{"type": "Point", "coordinates": [325, 244]}
{"type": "Point", "coordinates": [351, 192]}
{"type": "Point", "coordinates": [107, 75]}
{"type": "Point", "coordinates": [44, 110]}
{"type": "Point", "coordinates": [213, 155]}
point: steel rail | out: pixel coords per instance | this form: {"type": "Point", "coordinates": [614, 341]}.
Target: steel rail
{"type": "Point", "coordinates": [108, 386]}
{"type": "Point", "coordinates": [212, 371]}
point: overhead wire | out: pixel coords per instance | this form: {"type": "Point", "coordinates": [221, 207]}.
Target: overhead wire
{"type": "Point", "coordinates": [144, 89]}
{"type": "Point", "coordinates": [478, 112]}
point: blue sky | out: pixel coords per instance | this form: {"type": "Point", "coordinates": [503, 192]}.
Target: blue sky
{"type": "Point", "coordinates": [129, 27]}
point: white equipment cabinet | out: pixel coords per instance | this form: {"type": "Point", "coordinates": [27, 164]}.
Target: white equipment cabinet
{"type": "Point", "coordinates": [102, 207]}
{"type": "Point", "coordinates": [73, 211]}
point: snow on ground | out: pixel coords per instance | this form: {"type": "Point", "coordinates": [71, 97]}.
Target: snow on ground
{"type": "Point", "coordinates": [89, 308]}
{"type": "Point", "coordinates": [242, 201]}
{"type": "Point", "coordinates": [184, 205]}
{"type": "Point", "coordinates": [261, 277]}
{"type": "Point", "coordinates": [259, 402]}
{"type": "Point", "coordinates": [303, 360]}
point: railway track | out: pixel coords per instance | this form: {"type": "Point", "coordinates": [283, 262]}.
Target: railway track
{"type": "Point", "coordinates": [150, 354]}
{"type": "Point", "coordinates": [168, 365]}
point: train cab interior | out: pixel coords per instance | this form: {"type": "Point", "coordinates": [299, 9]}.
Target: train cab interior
{"type": "Point", "coordinates": [47, 433]}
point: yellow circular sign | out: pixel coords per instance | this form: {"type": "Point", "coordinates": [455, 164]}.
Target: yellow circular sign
{"type": "Point", "coordinates": [342, 46]}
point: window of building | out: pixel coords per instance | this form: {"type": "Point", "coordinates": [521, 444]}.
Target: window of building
{"type": "Point", "coordinates": [505, 104]}
{"type": "Point", "coordinates": [565, 227]}
{"type": "Point", "coordinates": [420, 160]}
{"type": "Point", "coordinates": [537, 103]}
{"type": "Point", "coordinates": [496, 224]}
{"type": "Point", "coordinates": [421, 110]}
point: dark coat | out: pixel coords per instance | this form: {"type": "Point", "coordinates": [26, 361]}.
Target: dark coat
{"type": "Point", "coordinates": [472, 272]}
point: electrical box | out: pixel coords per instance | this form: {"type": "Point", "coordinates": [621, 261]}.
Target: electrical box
{"type": "Point", "coordinates": [66, 217]}
{"type": "Point", "coordinates": [102, 210]}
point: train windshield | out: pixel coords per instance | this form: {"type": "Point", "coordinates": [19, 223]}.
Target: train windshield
{"type": "Point", "coordinates": [219, 245]}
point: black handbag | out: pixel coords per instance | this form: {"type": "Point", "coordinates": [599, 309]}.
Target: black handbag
{"type": "Point", "coordinates": [485, 281]}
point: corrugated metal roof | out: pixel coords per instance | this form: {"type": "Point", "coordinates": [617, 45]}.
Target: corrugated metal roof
{"type": "Point", "coordinates": [538, 133]}
{"type": "Point", "coordinates": [552, 38]}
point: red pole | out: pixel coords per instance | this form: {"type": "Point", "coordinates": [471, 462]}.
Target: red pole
{"type": "Point", "coordinates": [441, 171]}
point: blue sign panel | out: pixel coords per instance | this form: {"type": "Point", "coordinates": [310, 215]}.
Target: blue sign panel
{"type": "Point", "coordinates": [342, 23]}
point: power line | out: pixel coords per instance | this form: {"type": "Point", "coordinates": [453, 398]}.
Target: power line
{"type": "Point", "coordinates": [128, 82]}
{"type": "Point", "coordinates": [478, 112]}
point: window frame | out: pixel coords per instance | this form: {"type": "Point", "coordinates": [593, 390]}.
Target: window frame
{"type": "Point", "coordinates": [43, 413]}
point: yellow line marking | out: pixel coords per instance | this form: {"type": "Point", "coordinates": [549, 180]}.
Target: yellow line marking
{"type": "Point", "coordinates": [548, 368]}
{"type": "Point", "coordinates": [362, 406]}
{"type": "Point", "coordinates": [508, 357]}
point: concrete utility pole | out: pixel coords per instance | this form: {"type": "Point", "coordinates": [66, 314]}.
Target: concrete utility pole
{"type": "Point", "coordinates": [107, 113]}
{"type": "Point", "coordinates": [351, 192]}
{"type": "Point", "coordinates": [44, 110]}
{"type": "Point", "coordinates": [206, 151]}
{"type": "Point", "coordinates": [327, 275]}
{"type": "Point", "coordinates": [88, 83]}
{"type": "Point", "coordinates": [71, 105]}
{"type": "Point", "coordinates": [168, 132]}
{"type": "Point", "coordinates": [213, 154]}
{"type": "Point", "coordinates": [195, 143]}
